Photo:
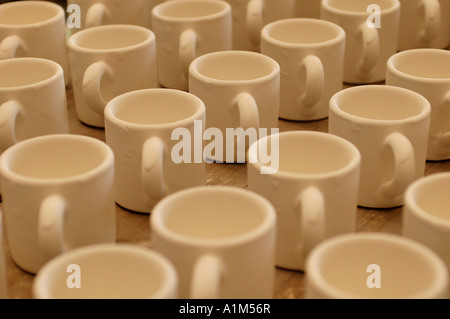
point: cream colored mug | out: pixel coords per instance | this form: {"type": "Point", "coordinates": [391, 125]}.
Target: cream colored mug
{"type": "Point", "coordinates": [107, 61]}
{"type": "Point", "coordinates": [220, 239]}
{"type": "Point", "coordinates": [107, 271]}
{"type": "Point", "coordinates": [314, 189]}
{"type": "Point", "coordinates": [371, 36]}
{"type": "Point", "coordinates": [390, 127]}
{"type": "Point", "coordinates": [3, 276]}
{"type": "Point", "coordinates": [58, 194]}
{"type": "Point", "coordinates": [311, 57]}
{"type": "Point", "coordinates": [423, 71]}
{"type": "Point", "coordinates": [32, 100]}
{"type": "Point", "coordinates": [145, 128]}
{"type": "Point", "coordinates": [34, 29]}
{"type": "Point", "coordinates": [374, 266]}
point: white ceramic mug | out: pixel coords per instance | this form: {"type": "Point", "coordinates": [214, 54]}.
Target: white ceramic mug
{"type": "Point", "coordinates": [374, 266]}
{"type": "Point", "coordinates": [314, 190]}
{"type": "Point", "coordinates": [311, 57]}
{"type": "Point", "coordinates": [144, 129]}
{"type": "Point", "coordinates": [57, 193]}
{"type": "Point", "coordinates": [221, 241]}
{"type": "Point", "coordinates": [107, 61]}
{"type": "Point", "coordinates": [32, 100]}
{"type": "Point", "coordinates": [390, 126]}
{"type": "Point", "coordinates": [424, 71]}
{"type": "Point", "coordinates": [34, 29]}
{"type": "Point", "coordinates": [241, 90]}
{"type": "Point", "coordinates": [103, 12]}
{"type": "Point", "coordinates": [426, 217]}
{"type": "Point", "coordinates": [186, 29]}
{"type": "Point", "coordinates": [424, 24]}
{"type": "Point", "coordinates": [368, 46]}
{"type": "Point", "coordinates": [107, 271]}
{"type": "Point", "coordinates": [3, 277]}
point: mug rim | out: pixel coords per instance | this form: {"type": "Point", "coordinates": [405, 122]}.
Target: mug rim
{"type": "Point", "coordinates": [326, 6]}
{"type": "Point", "coordinates": [353, 164]}
{"type": "Point", "coordinates": [8, 173]}
{"type": "Point", "coordinates": [335, 107]}
{"type": "Point", "coordinates": [72, 42]}
{"type": "Point", "coordinates": [159, 213]}
{"type": "Point", "coordinates": [59, 13]}
{"type": "Point", "coordinates": [156, 11]}
{"type": "Point", "coordinates": [110, 109]}
{"type": "Point", "coordinates": [391, 65]}
{"type": "Point", "coordinates": [41, 287]}
{"type": "Point", "coordinates": [57, 68]}
{"type": "Point", "coordinates": [195, 73]}
{"type": "Point", "coordinates": [340, 37]}
{"type": "Point", "coordinates": [415, 209]}
{"type": "Point", "coordinates": [315, 259]}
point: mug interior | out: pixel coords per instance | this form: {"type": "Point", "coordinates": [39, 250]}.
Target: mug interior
{"type": "Point", "coordinates": [105, 273]}
{"type": "Point", "coordinates": [110, 37]}
{"type": "Point", "coordinates": [423, 63]}
{"type": "Point", "coordinates": [25, 71]}
{"type": "Point", "coordinates": [303, 31]}
{"type": "Point", "coordinates": [380, 103]}
{"type": "Point", "coordinates": [27, 12]}
{"type": "Point", "coordinates": [155, 107]}
{"type": "Point", "coordinates": [213, 215]}
{"type": "Point", "coordinates": [406, 270]}
{"type": "Point", "coordinates": [431, 195]}
{"type": "Point", "coordinates": [234, 66]}
{"type": "Point", "coordinates": [191, 9]}
{"type": "Point", "coordinates": [55, 157]}
{"type": "Point", "coordinates": [359, 6]}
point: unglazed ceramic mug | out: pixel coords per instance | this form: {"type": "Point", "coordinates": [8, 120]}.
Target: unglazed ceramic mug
{"type": "Point", "coordinates": [314, 189]}
{"type": "Point", "coordinates": [103, 12]}
{"type": "Point", "coordinates": [374, 266]}
{"type": "Point", "coordinates": [107, 61]}
{"type": "Point", "coordinates": [424, 24]}
{"type": "Point", "coordinates": [185, 30]}
{"type": "Point", "coordinates": [34, 29]}
{"type": "Point", "coordinates": [390, 127]}
{"type": "Point", "coordinates": [107, 271]}
{"type": "Point", "coordinates": [3, 277]}
{"type": "Point", "coordinates": [311, 57]}
{"type": "Point", "coordinates": [241, 91]}
{"type": "Point", "coordinates": [424, 71]}
{"type": "Point", "coordinates": [367, 47]}
{"type": "Point", "coordinates": [144, 129]}
{"type": "Point", "coordinates": [32, 100]}
{"type": "Point", "coordinates": [58, 194]}
{"type": "Point", "coordinates": [426, 217]}
{"type": "Point", "coordinates": [221, 241]}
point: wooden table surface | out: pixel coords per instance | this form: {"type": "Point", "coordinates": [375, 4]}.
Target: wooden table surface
{"type": "Point", "coordinates": [134, 228]}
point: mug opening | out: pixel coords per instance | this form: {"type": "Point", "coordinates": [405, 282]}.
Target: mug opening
{"type": "Point", "coordinates": [359, 6]}
{"type": "Point", "coordinates": [23, 13]}
{"type": "Point", "coordinates": [192, 9]}
{"type": "Point", "coordinates": [20, 72]}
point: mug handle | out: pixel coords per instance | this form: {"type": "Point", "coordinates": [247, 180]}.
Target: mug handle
{"type": "Point", "coordinates": [152, 176]}
{"type": "Point", "coordinates": [8, 115]}
{"type": "Point", "coordinates": [9, 47]}
{"type": "Point", "coordinates": [444, 137]}
{"type": "Point", "coordinates": [255, 9]}
{"type": "Point", "coordinates": [312, 212]}
{"type": "Point", "coordinates": [248, 117]}
{"type": "Point", "coordinates": [51, 225]}
{"type": "Point", "coordinates": [315, 80]}
{"type": "Point", "coordinates": [95, 15]}
{"type": "Point", "coordinates": [92, 85]}
{"type": "Point", "coordinates": [188, 50]}
{"type": "Point", "coordinates": [432, 18]}
{"type": "Point", "coordinates": [371, 48]}
{"type": "Point", "coordinates": [404, 165]}
{"type": "Point", "coordinates": [207, 278]}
